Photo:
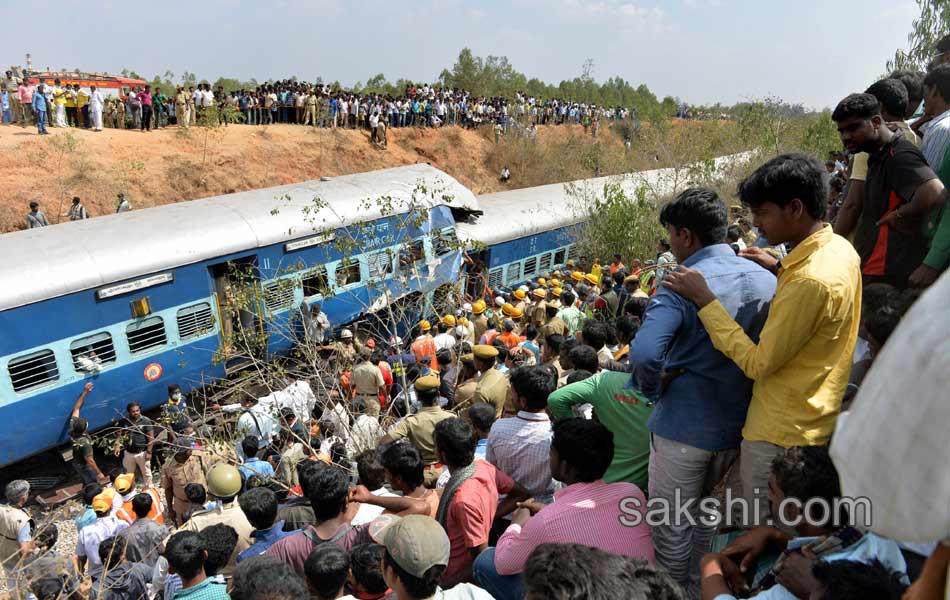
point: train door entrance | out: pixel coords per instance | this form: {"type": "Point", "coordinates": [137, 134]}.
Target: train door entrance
{"type": "Point", "coordinates": [237, 289]}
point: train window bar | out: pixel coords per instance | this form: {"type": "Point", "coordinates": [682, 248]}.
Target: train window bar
{"type": "Point", "coordinates": [347, 272]}
{"type": "Point", "coordinates": [195, 321]}
{"type": "Point", "coordinates": [146, 334]}
{"type": "Point", "coordinates": [314, 282]}
{"type": "Point", "coordinates": [380, 264]}
{"type": "Point", "coordinates": [91, 352]}
{"type": "Point", "coordinates": [278, 294]}
{"type": "Point", "coordinates": [544, 265]}
{"type": "Point", "coordinates": [530, 267]}
{"type": "Point", "coordinates": [33, 370]}
{"type": "Point", "coordinates": [513, 274]}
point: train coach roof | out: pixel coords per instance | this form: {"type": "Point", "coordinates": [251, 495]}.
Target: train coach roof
{"type": "Point", "coordinates": [72, 256]}
{"type": "Point", "coordinates": [528, 211]}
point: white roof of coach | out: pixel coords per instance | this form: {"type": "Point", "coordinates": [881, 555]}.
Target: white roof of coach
{"type": "Point", "coordinates": [53, 261]}
{"type": "Point", "coordinates": [528, 211]}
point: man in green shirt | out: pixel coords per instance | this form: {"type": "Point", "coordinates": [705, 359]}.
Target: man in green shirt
{"type": "Point", "coordinates": [570, 314]}
{"type": "Point", "coordinates": [623, 411]}
{"type": "Point", "coordinates": [938, 233]}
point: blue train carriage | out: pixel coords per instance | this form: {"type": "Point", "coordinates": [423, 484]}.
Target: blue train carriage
{"type": "Point", "coordinates": [525, 233]}
{"type": "Point", "coordinates": [133, 301]}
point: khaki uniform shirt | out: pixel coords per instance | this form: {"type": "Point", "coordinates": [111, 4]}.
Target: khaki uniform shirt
{"type": "Point", "coordinates": [481, 326]}
{"type": "Point", "coordinates": [228, 514]}
{"type": "Point", "coordinates": [419, 429]}
{"type": "Point", "coordinates": [176, 476]}
{"type": "Point", "coordinates": [492, 388]}
{"type": "Point", "coordinates": [556, 326]}
{"type": "Point", "coordinates": [538, 313]}
{"type": "Point", "coordinates": [366, 379]}
{"type": "Point", "coordinates": [464, 394]}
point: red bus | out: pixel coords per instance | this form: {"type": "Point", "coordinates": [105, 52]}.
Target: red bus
{"type": "Point", "coordinates": [112, 85]}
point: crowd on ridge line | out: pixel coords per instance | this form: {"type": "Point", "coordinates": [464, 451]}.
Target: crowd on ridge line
{"type": "Point", "coordinates": [518, 460]}
{"type": "Point", "coordinates": [288, 102]}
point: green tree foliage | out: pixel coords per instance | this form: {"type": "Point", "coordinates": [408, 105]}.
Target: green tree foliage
{"type": "Point", "coordinates": [618, 222]}
{"type": "Point", "coordinates": [932, 24]}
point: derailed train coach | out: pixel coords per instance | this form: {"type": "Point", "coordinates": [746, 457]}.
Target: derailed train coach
{"type": "Point", "coordinates": [140, 299]}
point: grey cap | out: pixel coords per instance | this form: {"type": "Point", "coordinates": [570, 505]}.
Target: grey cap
{"type": "Point", "coordinates": [16, 489]}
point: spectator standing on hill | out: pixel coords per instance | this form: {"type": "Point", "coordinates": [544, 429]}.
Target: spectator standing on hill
{"type": "Point", "coordinates": [35, 218]}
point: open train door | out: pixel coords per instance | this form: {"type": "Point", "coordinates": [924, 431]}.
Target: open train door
{"type": "Point", "coordinates": [239, 302]}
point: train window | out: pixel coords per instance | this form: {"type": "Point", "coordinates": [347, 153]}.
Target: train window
{"type": "Point", "coordinates": [194, 321]}
{"type": "Point", "coordinates": [572, 252]}
{"type": "Point", "coordinates": [347, 272]}
{"type": "Point", "coordinates": [544, 265]}
{"type": "Point", "coordinates": [315, 282]}
{"type": "Point", "coordinates": [279, 294]}
{"type": "Point", "coordinates": [146, 334]}
{"type": "Point", "coordinates": [445, 242]}
{"type": "Point", "coordinates": [33, 370]}
{"type": "Point", "coordinates": [494, 278]}
{"type": "Point", "coordinates": [380, 264]}
{"type": "Point", "coordinates": [90, 353]}
{"type": "Point", "coordinates": [560, 256]}
{"type": "Point", "coordinates": [412, 253]}
{"type": "Point", "coordinates": [530, 267]}
{"type": "Point", "coordinates": [513, 274]}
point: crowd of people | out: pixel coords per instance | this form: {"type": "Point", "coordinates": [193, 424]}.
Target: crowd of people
{"type": "Point", "coordinates": [572, 437]}
{"type": "Point", "coordinates": [288, 102]}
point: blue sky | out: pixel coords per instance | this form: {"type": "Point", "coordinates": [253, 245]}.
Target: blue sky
{"type": "Point", "coordinates": [700, 50]}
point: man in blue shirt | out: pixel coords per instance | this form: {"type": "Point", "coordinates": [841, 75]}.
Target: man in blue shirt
{"type": "Point", "coordinates": [39, 107]}
{"type": "Point", "coordinates": [701, 396]}
{"type": "Point", "coordinates": [254, 466]}
{"type": "Point", "coordinates": [260, 508]}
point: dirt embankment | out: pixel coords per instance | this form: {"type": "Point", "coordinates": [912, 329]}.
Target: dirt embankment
{"type": "Point", "coordinates": [171, 165]}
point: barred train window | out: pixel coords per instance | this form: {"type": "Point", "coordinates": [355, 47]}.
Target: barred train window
{"type": "Point", "coordinates": [194, 321]}
{"type": "Point", "coordinates": [91, 352]}
{"type": "Point", "coordinates": [279, 294]}
{"type": "Point", "coordinates": [380, 264]}
{"type": "Point", "coordinates": [530, 267]}
{"type": "Point", "coordinates": [545, 264]}
{"type": "Point", "coordinates": [560, 256]}
{"type": "Point", "coordinates": [33, 370]}
{"type": "Point", "coordinates": [514, 273]}
{"type": "Point", "coordinates": [494, 278]}
{"type": "Point", "coordinates": [146, 334]}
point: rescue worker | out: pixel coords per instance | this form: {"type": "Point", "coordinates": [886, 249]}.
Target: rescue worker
{"type": "Point", "coordinates": [182, 468]}
{"type": "Point", "coordinates": [537, 313]}
{"type": "Point", "coordinates": [520, 295]}
{"type": "Point", "coordinates": [480, 321]}
{"type": "Point", "coordinates": [419, 428]}
{"type": "Point", "coordinates": [424, 347]}
{"type": "Point", "coordinates": [224, 484]}
{"type": "Point", "coordinates": [491, 386]}
{"type": "Point", "coordinates": [125, 486]}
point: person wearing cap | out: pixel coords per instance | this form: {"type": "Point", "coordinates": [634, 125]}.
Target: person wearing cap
{"type": "Point", "coordinates": [344, 349]}
{"type": "Point", "coordinates": [423, 348]}
{"type": "Point", "coordinates": [417, 553]}
{"type": "Point", "coordinates": [519, 295]}
{"type": "Point", "coordinates": [16, 538]}
{"type": "Point", "coordinates": [465, 387]}
{"type": "Point", "coordinates": [126, 488]}
{"type": "Point", "coordinates": [105, 526]}
{"type": "Point", "coordinates": [224, 484]}
{"type": "Point", "coordinates": [491, 386]}
{"type": "Point", "coordinates": [577, 276]}
{"type": "Point", "coordinates": [536, 312]}
{"type": "Point", "coordinates": [445, 340]}
{"type": "Point", "coordinates": [480, 321]}
{"type": "Point", "coordinates": [367, 383]}
{"type": "Point", "coordinates": [419, 428]}
{"type": "Point", "coordinates": [182, 468]}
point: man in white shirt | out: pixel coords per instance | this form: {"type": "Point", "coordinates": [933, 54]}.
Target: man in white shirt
{"type": "Point", "coordinates": [445, 340]}
{"type": "Point", "coordinates": [96, 102]}
{"type": "Point", "coordinates": [936, 102]}
{"type": "Point", "coordinates": [255, 420]}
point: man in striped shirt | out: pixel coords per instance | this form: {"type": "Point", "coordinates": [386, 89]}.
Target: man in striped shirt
{"type": "Point", "coordinates": [588, 511]}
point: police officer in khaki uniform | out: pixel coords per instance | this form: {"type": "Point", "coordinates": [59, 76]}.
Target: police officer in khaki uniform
{"type": "Point", "coordinates": [537, 312]}
{"type": "Point", "coordinates": [491, 386]}
{"type": "Point", "coordinates": [419, 428]}
{"type": "Point", "coordinates": [480, 321]}
{"type": "Point", "coordinates": [224, 484]}
{"type": "Point", "coordinates": [366, 381]}
{"type": "Point", "coordinates": [15, 532]}
{"type": "Point", "coordinates": [182, 468]}
{"type": "Point", "coordinates": [465, 390]}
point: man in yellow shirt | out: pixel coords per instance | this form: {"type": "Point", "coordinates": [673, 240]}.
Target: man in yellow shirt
{"type": "Point", "coordinates": [801, 362]}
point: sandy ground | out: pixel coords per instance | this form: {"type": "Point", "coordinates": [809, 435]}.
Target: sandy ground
{"type": "Point", "coordinates": [172, 165]}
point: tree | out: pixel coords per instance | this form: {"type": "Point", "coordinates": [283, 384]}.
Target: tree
{"type": "Point", "coordinates": [932, 24]}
